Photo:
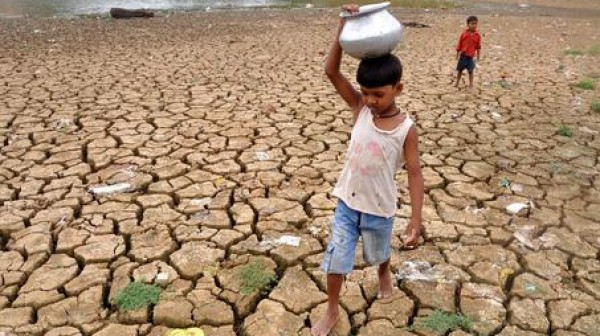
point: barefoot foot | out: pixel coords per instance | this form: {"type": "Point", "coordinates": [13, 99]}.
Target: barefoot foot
{"type": "Point", "coordinates": [325, 324]}
{"type": "Point", "coordinates": [385, 284]}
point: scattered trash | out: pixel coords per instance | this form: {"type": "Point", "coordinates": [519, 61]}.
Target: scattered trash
{"type": "Point", "coordinates": [496, 115]}
{"type": "Point", "coordinates": [504, 275]}
{"type": "Point", "coordinates": [110, 189]}
{"type": "Point", "coordinates": [531, 287]}
{"type": "Point", "coordinates": [504, 183]}
{"type": "Point", "coordinates": [454, 116]}
{"type": "Point", "coordinates": [289, 240]}
{"type": "Point", "coordinates": [516, 188]}
{"type": "Point", "coordinates": [37, 31]}
{"type": "Point", "coordinates": [202, 202]}
{"type": "Point", "coordinates": [186, 332]}
{"type": "Point", "coordinates": [419, 270]}
{"type": "Point", "coordinates": [309, 5]}
{"type": "Point", "coordinates": [162, 278]}
{"type": "Point", "coordinates": [515, 208]}
{"type": "Point", "coordinates": [283, 240]}
{"type": "Point", "coordinates": [523, 5]}
{"type": "Point", "coordinates": [63, 125]}
{"type": "Point", "coordinates": [207, 9]}
{"type": "Point", "coordinates": [261, 156]}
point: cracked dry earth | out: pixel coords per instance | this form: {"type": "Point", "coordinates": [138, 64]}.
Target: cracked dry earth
{"type": "Point", "coordinates": [229, 136]}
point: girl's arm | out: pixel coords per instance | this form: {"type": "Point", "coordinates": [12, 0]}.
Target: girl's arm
{"type": "Point", "coordinates": [332, 70]}
{"type": "Point", "coordinates": [416, 187]}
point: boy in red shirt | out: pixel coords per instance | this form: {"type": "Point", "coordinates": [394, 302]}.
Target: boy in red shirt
{"type": "Point", "coordinates": [468, 46]}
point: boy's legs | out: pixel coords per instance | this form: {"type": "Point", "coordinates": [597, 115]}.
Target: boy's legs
{"type": "Point", "coordinates": [470, 69]}
{"type": "Point", "coordinates": [326, 323]}
{"type": "Point", "coordinates": [338, 261]}
{"type": "Point", "coordinates": [376, 233]}
{"type": "Point", "coordinates": [458, 75]}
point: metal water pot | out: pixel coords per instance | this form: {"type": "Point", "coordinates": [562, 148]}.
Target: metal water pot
{"type": "Point", "coordinates": [371, 32]}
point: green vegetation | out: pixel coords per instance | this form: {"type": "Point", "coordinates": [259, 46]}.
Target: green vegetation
{"type": "Point", "coordinates": [595, 107]}
{"type": "Point", "coordinates": [137, 295]}
{"type": "Point", "coordinates": [574, 52]}
{"type": "Point", "coordinates": [441, 322]}
{"type": "Point", "coordinates": [565, 131]}
{"type": "Point", "coordinates": [255, 277]}
{"type": "Point", "coordinates": [586, 84]}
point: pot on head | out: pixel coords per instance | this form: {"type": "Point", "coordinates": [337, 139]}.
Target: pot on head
{"type": "Point", "coordinates": [371, 32]}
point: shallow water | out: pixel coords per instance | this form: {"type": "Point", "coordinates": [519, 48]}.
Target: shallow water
{"type": "Point", "coordinates": [16, 8]}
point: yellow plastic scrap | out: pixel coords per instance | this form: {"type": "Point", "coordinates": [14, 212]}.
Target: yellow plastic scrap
{"type": "Point", "coordinates": [503, 276]}
{"type": "Point", "coordinates": [186, 332]}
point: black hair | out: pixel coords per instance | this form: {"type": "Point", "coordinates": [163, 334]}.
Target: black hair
{"type": "Point", "coordinates": [471, 19]}
{"type": "Point", "coordinates": [379, 71]}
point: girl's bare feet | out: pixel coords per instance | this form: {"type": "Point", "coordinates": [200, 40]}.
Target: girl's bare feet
{"type": "Point", "coordinates": [385, 281]}
{"type": "Point", "coordinates": [325, 324]}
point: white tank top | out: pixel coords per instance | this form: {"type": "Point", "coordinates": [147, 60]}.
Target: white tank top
{"type": "Point", "coordinates": [367, 182]}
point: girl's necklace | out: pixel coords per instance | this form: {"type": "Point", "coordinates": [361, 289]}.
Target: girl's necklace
{"type": "Point", "coordinates": [378, 116]}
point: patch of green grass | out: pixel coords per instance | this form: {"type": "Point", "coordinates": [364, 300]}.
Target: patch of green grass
{"type": "Point", "coordinates": [586, 84]}
{"type": "Point", "coordinates": [565, 131]}
{"type": "Point", "coordinates": [255, 277]}
{"type": "Point", "coordinates": [574, 52]}
{"type": "Point", "coordinates": [137, 295]}
{"type": "Point", "coordinates": [441, 322]}
{"type": "Point", "coordinates": [595, 107]}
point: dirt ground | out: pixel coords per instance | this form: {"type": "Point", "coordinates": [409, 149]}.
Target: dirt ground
{"type": "Point", "coordinates": [226, 136]}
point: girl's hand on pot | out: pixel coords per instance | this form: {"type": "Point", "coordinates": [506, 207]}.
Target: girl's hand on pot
{"type": "Point", "coordinates": [350, 8]}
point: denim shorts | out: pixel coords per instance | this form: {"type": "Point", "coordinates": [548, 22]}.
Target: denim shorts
{"type": "Point", "coordinates": [348, 225]}
{"type": "Point", "coordinates": [465, 62]}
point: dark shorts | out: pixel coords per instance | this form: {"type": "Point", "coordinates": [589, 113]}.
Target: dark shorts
{"type": "Point", "coordinates": [465, 62]}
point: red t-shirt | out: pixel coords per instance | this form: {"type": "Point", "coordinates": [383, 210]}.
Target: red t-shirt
{"type": "Point", "coordinates": [468, 43]}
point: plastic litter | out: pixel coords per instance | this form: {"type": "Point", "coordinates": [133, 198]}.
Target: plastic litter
{"type": "Point", "coordinates": [162, 278]}
{"type": "Point", "coordinates": [531, 287]}
{"type": "Point", "coordinates": [64, 124]}
{"type": "Point", "coordinates": [503, 276]}
{"type": "Point", "coordinates": [515, 208]}
{"type": "Point", "coordinates": [420, 270]}
{"type": "Point", "coordinates": [110, 189]}
{"type": "Point", "coordinates": [283, 240]}
{"type": "Point", "coordinates": [504, 183]}
{"type": "Point", "coordinates": [186, 332]}
{"type": "Point", "coordinates": [261, 156]}
{"type": "Point", "coordinates": [309, 5]}
{"type": "Point", "coordinates": [496, 115]}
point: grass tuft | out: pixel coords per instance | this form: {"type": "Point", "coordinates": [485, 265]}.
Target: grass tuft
{"type": "Point", "coordinates": [565, 131]}
{"type": "Point", "coordinates": [574, 52]}
{"type": "Point", "coordinates": [586, 84]}
{"type": "Point", "coordinates": [137, 295]}
{"type": "Point", "coordinates": [441, 322]}
{"type": "Point", "coordinates": [255, 277]}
